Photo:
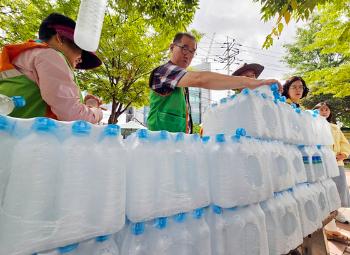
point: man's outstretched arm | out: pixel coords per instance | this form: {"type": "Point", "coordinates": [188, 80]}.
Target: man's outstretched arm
{"type": "Point", "coordinates": [217, 81]}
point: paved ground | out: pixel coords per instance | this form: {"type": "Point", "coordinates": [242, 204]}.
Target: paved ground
{"type": "Point", "coordinates": [337, 248]}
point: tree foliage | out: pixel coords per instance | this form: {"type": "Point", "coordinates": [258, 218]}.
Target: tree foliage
{"type": "Point", "coordinates": [134, 40]}
{"type": "Point", "coordinates": [340, 106]}
{"type": "Point", "coordinates": [321, 55]}
{"type": "Point", "coordinates": [285, 10]}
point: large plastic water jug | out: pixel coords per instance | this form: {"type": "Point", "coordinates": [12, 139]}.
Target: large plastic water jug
{"type": "Point", "coordinates": [310, 216]}
{"type": "Point", "coordinates": [332, 194]}
{"type": "Point", "coordinates": [89, 24]}
{"type": "Point", "coordinates": [246, 231]}
{"type": "Point", "coordinates": [282, 223]}
{"type": "Point", "coordinates": [282, 175]}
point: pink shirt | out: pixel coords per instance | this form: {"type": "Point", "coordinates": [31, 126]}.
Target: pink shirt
{"type": "Point", "coordinates": [55, 79]}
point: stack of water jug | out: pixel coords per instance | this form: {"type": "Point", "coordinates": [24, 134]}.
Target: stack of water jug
{"type": "Point", "coordinates": [256, 183]}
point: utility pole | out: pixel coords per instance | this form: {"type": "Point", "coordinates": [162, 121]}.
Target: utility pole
{"type": "Point", "coordinates": [230, 55]}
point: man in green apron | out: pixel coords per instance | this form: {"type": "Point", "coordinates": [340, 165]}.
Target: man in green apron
{"type": "Point", "coordinates": [169, 99]}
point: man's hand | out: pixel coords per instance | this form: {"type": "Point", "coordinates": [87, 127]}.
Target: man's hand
{"type": "Point", "coordinates": [269, 82]}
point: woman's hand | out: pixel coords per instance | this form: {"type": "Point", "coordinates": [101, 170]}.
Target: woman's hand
{"type": "Point", "coordinates": [92, 101]}
{"type": "Point", "coordinates": [340, 156]}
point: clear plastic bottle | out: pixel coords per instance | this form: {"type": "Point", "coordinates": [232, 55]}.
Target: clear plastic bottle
{"type": "Point", "coordinates": [218, 228]}
{"type": "Point", "coordinates": [30, 193]}
{"type": "Point", "coordinates": [7, 143]}
{"type": "Point", "coordinates": [135, 241]}
{"type": "Point", "coordinates": [101, 245]}
{"type": "Point", "coordinates": [181, 237]}
{"type": "Point", "coordinates": [7, 104]}
{"type": "Point", "coordinates": [89, 24]}
{"type": "Point", "coordinates": [140, 178]}
{"type": "Point", "coordinates": [199, 229]}
{"type": "Point", "coordinates": [109, 181]}
{"type": "Point", "coordinates": [77, 181]}
{"type": "Point", "coordinates": [220, 175]}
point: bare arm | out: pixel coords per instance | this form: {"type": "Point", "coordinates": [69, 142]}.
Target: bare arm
{"type": "Point", "coordinates": [217, 81]}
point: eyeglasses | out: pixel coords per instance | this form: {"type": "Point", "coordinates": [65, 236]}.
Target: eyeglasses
{"type": "Point", "coordinates": [185, 49]}
{"type": "Point", "coordinates": [297, 87]}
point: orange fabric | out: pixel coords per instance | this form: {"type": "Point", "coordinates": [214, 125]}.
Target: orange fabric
{"type": "Point", "coordinates": [11, 51]}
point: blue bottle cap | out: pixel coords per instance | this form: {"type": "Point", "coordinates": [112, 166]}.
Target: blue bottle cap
{"type": "Point", "coordinates": [283, 99]}
{"type": "Point", "coordinates": [81, 127]}
{"type": "Point", "coordinates": [163, 135]}
{"type": "Point", "coordinates": [142, 133]}
{"type": "Point", "coordinates": [232, 97]}
{"type": "Point", "coordinates": [276, 95]}
{"type": "Point", "coordinates": [223, 100]}
{"type": "Point", "coordinates": [205, 139]}
{"type": "Point", "coordinates": [319, 146]}
{"type": "Point", "coordinates": [220, 138]}
{"type": "Point", "coordinates": [297, 110]}
{"type": "Point", "coordinates": [161, 222]}
{"type": "Point", "coordinates": [274, 87]}
{"type": "Point", "coordinates": [241, 132]}
{"type": "Point", "coordinates": [315, 113]}
{"type": "Point", "coordinates": [101, 239]}
{"type": "Point", "coordinates": [294, 106]}
{"type": "Point", "coordinates": [245, 91]}
{"type": "Point", "coordinates": [112, 130]}
{"type": "Point", "coordinates": [68, 248]}
{"type": "Point", "coordinates": [263, 95]}
{"type": "Point", "coordinates": [198, 213]}
{"type": "Point", "coordinates": [180, 217]}
{"type": "Point", "coordinates": [18, 101]}
{"type": "Point", "coordinates": [138, 228]}
{"type": "Point", "coordinates": [44, 124]}
{"type": "Point", "coordinates": [179, 137]}
{"type": "Point", "coordinates": [301, 146]}
{"type": "Point", "coordinates": [217, 209]}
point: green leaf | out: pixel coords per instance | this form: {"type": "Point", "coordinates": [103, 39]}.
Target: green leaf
{"type": "Point", "coordinates": [294, 4]}
{"type": "Point", "coordinates": [287, 17]}
{"type": "Point", "coordinates": [280, 28]}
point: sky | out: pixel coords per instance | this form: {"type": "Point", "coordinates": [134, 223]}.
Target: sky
{"type": "Point", "coordinates": [239, 20]}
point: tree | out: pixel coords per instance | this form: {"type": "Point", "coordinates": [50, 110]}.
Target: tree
{"type": "Point", "coordinates": [134, 40]}
{"type": "Point", "coordinates": [340, 106]}
{"type": "Point", "coordinates": [320, 54]}
{"type": "Point", "coordinates": [288, 9]}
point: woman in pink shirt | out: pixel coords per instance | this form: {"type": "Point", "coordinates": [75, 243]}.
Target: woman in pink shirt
{"type": "Point", "coordinates": [42, 72]}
